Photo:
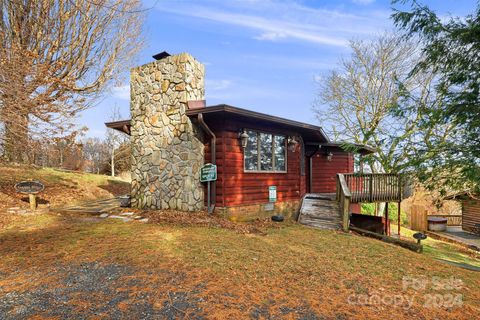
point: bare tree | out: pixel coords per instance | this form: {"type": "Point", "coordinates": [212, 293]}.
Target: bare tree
{"type": "Point", "coordinates": [114, 140]}
{"type": "Point", "coordinates": [358, 102]}
{"type": "Point", "coordinates": [96, 152]}
{"type": "Point", "coordinates": [56, 58]}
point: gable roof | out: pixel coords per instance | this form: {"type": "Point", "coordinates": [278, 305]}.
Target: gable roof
{"type": "Point", "coordinates": [313, 133]}
{"type": "Point", "coordinates": [224, 109]}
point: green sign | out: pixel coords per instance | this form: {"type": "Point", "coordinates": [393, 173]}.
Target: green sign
{"type": "Point", "coordinates": [208, 173]}
{"type": "Point", "coordinates": [272, 193]}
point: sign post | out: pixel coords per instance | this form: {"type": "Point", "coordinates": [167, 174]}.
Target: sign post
{"type": "Point", "coordinates": [31, 188]}
{"type": "Point", "coordinates": [208, 173]}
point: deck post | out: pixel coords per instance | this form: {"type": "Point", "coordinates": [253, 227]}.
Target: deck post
{"type": "Point", "coordinates": [399, 221]}
{"type": "Point", "coordinates": [386, 220]}
{"type": "Point", "coordinates": [370, 187]}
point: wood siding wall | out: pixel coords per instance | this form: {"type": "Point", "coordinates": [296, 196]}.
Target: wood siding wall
{"type": "Point", "coordinates": [235, 187]}
{"type": "Point", "coordinates": [471, 214]}
{"type": "Point", "coordinates": [324, 172]}
{"type": "Point", "coordinates": [240, 187]}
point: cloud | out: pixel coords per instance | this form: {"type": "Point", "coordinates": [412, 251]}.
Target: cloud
{"type": "Point", "coordinates": [217, 89]}
{"type": "Point", "coordinates": [122, 92]}
{"type": "Point", "coordinates": [285, 21]}
{"type": "Point", "coordinates": [271, 36]}
{"type": "Point", "coordinates": [216, 85]}
{"type": "Point", "coordinates": [289, 62]}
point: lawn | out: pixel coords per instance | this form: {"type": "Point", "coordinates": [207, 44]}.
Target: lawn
{"type": "Point", "coordinates": [445, 251]}
{"type": "Point", "coordinates": [58, 267]}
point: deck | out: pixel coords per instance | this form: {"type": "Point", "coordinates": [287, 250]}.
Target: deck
{"type": "Point", "coordinates": [367, 188]}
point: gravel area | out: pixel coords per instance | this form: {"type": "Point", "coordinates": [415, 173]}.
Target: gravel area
{"type": "Point", "coordinates": [92, 289]}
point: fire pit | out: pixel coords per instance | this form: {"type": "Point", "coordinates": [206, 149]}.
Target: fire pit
{"type": "Point", "coordinates": [437, 224]}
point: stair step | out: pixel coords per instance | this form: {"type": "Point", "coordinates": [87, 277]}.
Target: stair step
{"type": "Point", "coordinates": [321, 224]}
{"type": "Point", "coordinates": [325, 218]}
{"type": "Point", "coordinates": [326, 206]}
{"type": "Point", "coordinates": [320, 211]}
{"type": "Point", "coordinates": [322, 217]}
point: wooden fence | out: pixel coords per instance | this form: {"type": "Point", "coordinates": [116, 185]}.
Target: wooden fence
{"type": "Point", "coordinates": [419, 218]}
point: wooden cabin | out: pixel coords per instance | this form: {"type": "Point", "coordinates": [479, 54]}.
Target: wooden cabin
{"type": "Point", "coordinates": [265, 164]}
{"type": "Point", "coordinates": [292, 157]}
{"type": "Point", "coordinates": [470, 211]}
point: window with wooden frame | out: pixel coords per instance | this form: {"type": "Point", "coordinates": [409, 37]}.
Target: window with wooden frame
{"type": "Point", "coordinates": [265, 152]}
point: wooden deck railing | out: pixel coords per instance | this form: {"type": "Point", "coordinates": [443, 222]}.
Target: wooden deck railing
{"type": "Point", "coordinates": [374, 187]}
{"type": "Point", "coordinates": [370, 187]}
{"type": "Point", "coordinates": [344, 197]}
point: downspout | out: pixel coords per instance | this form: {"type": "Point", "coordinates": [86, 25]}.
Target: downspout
{"type": "Point", "coordinates": [310, 175]}
{"type": "Point", "coordinates": [213, 153]}
{"type": "Point", "coordinates": [310, 167]}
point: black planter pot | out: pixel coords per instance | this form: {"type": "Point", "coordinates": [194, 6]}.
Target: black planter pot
{"type": "Point", "coordinates": [278, 218]}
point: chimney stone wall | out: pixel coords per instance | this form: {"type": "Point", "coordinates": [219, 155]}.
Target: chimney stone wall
{"type": "Point", "coordinates": [167, 147]}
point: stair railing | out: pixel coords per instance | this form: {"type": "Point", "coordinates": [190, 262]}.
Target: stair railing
{"type": "Point", "coordinates": [374, 187]}
{"type": "Point", "coordinates": [344, 198]}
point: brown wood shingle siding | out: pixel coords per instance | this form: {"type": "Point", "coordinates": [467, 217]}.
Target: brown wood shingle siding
{"type": "Point", "coordinates": [471, 214]}
{"type": "Point", "coordinates": [237, 187]}
{"type": "Point", "coordinates": [324, 172]}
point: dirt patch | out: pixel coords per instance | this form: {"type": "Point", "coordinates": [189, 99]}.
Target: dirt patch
{"type": "Point", "coordinates": [204, 219]}
{"type": "Point", "coordinates": [116, 188]}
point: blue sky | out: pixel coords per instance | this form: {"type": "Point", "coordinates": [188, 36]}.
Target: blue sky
{"type": "Point", "coordinates": [262, 55]}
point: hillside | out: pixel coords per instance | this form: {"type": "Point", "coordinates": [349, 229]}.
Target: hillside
{"type": "Point", "coordinates": [61, 187]}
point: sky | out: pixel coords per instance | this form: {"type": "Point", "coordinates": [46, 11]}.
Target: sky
{"type": "Point", "coordinates": [263, 55]}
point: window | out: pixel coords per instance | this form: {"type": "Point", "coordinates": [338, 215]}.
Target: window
{"type": "Point", "coordinates": [265, 152]}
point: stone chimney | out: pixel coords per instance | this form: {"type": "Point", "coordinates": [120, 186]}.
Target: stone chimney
{"type": "Point", "coordinates": [167, 148]}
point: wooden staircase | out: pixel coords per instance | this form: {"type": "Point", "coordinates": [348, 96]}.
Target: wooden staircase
{"type": "Point", "coordinates": [320, 211]}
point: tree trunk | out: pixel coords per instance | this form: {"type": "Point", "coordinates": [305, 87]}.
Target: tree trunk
{"type": "Point", "coordinates": [113, 162]}
{"type": "Point", "coordinates": [16, 138]}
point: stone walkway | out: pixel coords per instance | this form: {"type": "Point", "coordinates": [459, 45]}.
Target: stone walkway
{"type": "Point", "coordinates": [456, 234]}
{"type": "Point", "coordinates": [125, 216]}
{"type": "Point", "coordinates": [94, 206]}
{"type": "Point", "coordinates": [105, 208]}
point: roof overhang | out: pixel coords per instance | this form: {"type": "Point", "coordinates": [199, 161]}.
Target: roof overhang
{"type": "Point", "coordinates": [224, 111]}
{"type": "Point", "coordinates": [463, 195]}
{"type": "Point", "coordinates": [345, 146]}
{"type": "Point", "coordinates": [313, 132]}
{"type": "Point", "coordinates": [122, 125]}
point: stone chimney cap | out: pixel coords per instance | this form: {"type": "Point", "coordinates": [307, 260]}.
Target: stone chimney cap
{"type": "Point", "coordinates": [161, 55]}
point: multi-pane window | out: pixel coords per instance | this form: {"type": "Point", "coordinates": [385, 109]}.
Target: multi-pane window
{"type": "Point", "coordinates": [265, 152]}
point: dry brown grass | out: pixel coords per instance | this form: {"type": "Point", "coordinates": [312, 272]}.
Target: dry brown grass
{"type": "Point", "coordinates": [61, 187]}
{"type": "Point", "coordinates": [289, 266]}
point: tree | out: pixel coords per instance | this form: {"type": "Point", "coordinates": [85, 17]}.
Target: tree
{"type": "Point", "coordinates": [451, 48]}
{"type": "Point", "coordinates": [115, 140]}
{"type": "Point", "coordinates": [56, 58]}
{"type": "Point", "coordinates": [358, 102]}
{"type": "Point", "coordinates": [96, 152]}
